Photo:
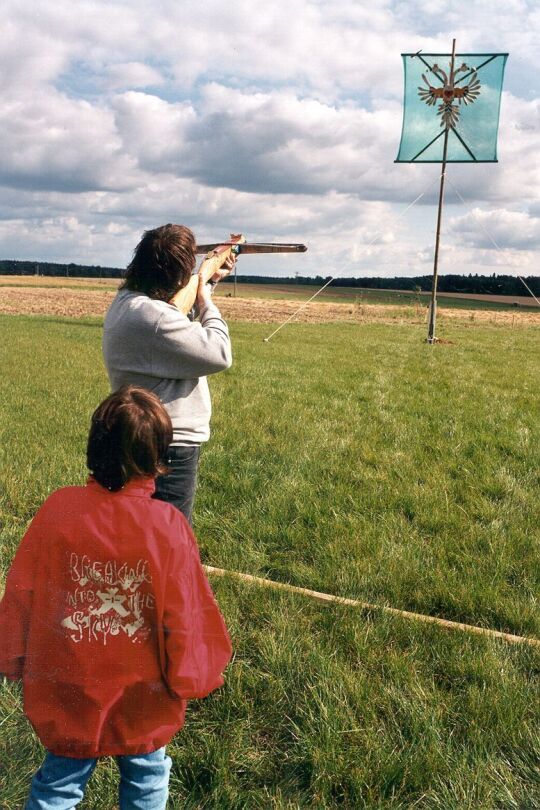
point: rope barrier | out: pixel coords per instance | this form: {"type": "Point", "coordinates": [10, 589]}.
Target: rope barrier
{"type": "Point", "coordinates": [341, 600]}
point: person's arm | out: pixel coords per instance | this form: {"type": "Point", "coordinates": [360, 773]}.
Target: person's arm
{"type": "Point", "coordinates": [16, 605]}
{"type": "Point", "coordinates": [197, 644]}
{"type": "Point", "coordinates": [181, 349]}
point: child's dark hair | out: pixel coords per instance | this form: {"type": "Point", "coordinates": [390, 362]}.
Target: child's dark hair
{"type": "Point", "coordinates": [129, 436]}
{"type": "Point", "coordinates": [162, 263]}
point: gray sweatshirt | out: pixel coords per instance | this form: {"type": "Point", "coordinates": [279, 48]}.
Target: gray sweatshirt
{"type": "Point", "coordinates": [151, 344]}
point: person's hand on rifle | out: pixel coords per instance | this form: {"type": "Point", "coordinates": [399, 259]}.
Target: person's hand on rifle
{"type": "Point", "coordinates": [208, 272]}
{"type": "Point", "coordinates": [207, 282]}
{"type": "Point", "coordinates": [207, 276]}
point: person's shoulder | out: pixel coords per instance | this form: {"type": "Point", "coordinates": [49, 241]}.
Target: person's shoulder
{"type": "Point", "coordinates": [58, 504]}
{"type": "Point", "coordinates": [65, 497]}
{"type": "Point", "coordinates": [171, 314]}
{"type": "Point", "coordinates": [139, 307]}
{"type": "Point", "coordinates": [62, 494]}
{"type": "Point", "coordinates": [132, 301]}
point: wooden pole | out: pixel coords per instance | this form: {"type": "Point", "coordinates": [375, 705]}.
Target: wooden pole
{"type": "Point", "coordinates": [433, 305]}
{"type": "Point", "coordinates": [404, 614]}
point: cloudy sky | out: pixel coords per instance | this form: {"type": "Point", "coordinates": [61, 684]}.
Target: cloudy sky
{"type": "Point", "coordinates": [281, 120]}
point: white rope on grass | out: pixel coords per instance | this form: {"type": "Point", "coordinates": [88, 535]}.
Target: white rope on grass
{"type": "Point", "coordinates": [491, 238]}
{"type": "Point", "coordinates": [371, 242]}
{"type": "Point", "coordinates": [405, 614]}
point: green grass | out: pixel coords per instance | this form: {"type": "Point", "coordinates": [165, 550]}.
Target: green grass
{"type": "Point", "coordinates": [356, 460]}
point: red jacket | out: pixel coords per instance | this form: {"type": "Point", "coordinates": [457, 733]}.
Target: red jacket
{"type": "Point", "coordinates": [110, 621]}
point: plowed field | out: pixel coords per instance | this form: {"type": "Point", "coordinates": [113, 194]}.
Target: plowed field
{"type": "Point", "coordinates": [79, 303]}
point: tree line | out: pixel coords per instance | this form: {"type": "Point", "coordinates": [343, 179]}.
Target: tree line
{"type": "Point", "coordinates": [475, 284]}
{"type": "Point", "coordinates": [14, 267]}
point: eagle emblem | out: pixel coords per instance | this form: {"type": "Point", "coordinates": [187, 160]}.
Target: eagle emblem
{"type": "Point", "coordinates": [449, 93]}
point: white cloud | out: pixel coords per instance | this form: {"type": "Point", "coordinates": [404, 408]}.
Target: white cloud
{"type": "Point", "coordinates": [152, 130]}
{"type": "Point", "coordinates": [133, 75]}
{"type": "Point", "coordinates": [55, 143]}
{"type": "Point", "coordinates": [266, 142]}
{"type": "Point", "coordinates": [280, 119]}
{"type": "Point", "coordinates": [514, 230]}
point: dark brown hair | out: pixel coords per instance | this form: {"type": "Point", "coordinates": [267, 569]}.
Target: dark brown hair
{"type": "Point", "coordinates": [129, 436]}
{"type": "Point", "coordinates": [162, 263]}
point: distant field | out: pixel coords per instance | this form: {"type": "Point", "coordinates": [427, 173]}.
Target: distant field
{"type": "Point", "coordinates": [361, 295]}
{"type": "Point", "coordinates": [60, 281]}
{"type": "Point", "coordinates": [354, 459]}
{"type": "Point", "coordinates": [300, 292]}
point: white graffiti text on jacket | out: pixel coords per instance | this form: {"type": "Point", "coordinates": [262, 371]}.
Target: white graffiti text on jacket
{"type": "Point", "coordinates": [108, 598]}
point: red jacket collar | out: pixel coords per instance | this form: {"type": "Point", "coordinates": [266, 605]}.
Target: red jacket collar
{"type": "Point", "coordinates": [136, 488]}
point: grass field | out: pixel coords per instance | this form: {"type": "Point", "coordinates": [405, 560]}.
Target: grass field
{"type": "Point", "coordinates": [356, 460]}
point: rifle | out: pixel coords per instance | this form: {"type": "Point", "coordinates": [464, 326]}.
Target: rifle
{"type": "Point", "coordinates": [217, 252]}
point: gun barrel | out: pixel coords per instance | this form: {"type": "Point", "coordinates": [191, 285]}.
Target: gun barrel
{"type": "Point", "coordinates": [255, 247]}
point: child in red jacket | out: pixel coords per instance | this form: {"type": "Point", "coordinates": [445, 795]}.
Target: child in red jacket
{"type": "Point", "coordinates": [108, 617]}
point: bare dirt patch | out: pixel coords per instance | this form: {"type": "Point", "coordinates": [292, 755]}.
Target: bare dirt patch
{"type": "Point", "coordinates": [277, 311]}
{"type": "Point", "coordinates": [78, 303]}
{"type": "Point", "coordinates": [63, 302]}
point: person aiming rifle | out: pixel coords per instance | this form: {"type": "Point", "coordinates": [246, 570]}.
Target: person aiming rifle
{"type": "Point", "coordinates": [149, 341]}
{"type": "Point", "coordinates": [152, 339]}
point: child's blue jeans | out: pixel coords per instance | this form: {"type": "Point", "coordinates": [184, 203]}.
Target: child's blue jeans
{"type": "Point", "coordinates": [60, 782]}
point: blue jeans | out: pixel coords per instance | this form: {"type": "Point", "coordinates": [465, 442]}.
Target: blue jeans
{"type": "Point", "coordinates": [60, 782]}
{"type": "Point", "coordinates": [178, 486]}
